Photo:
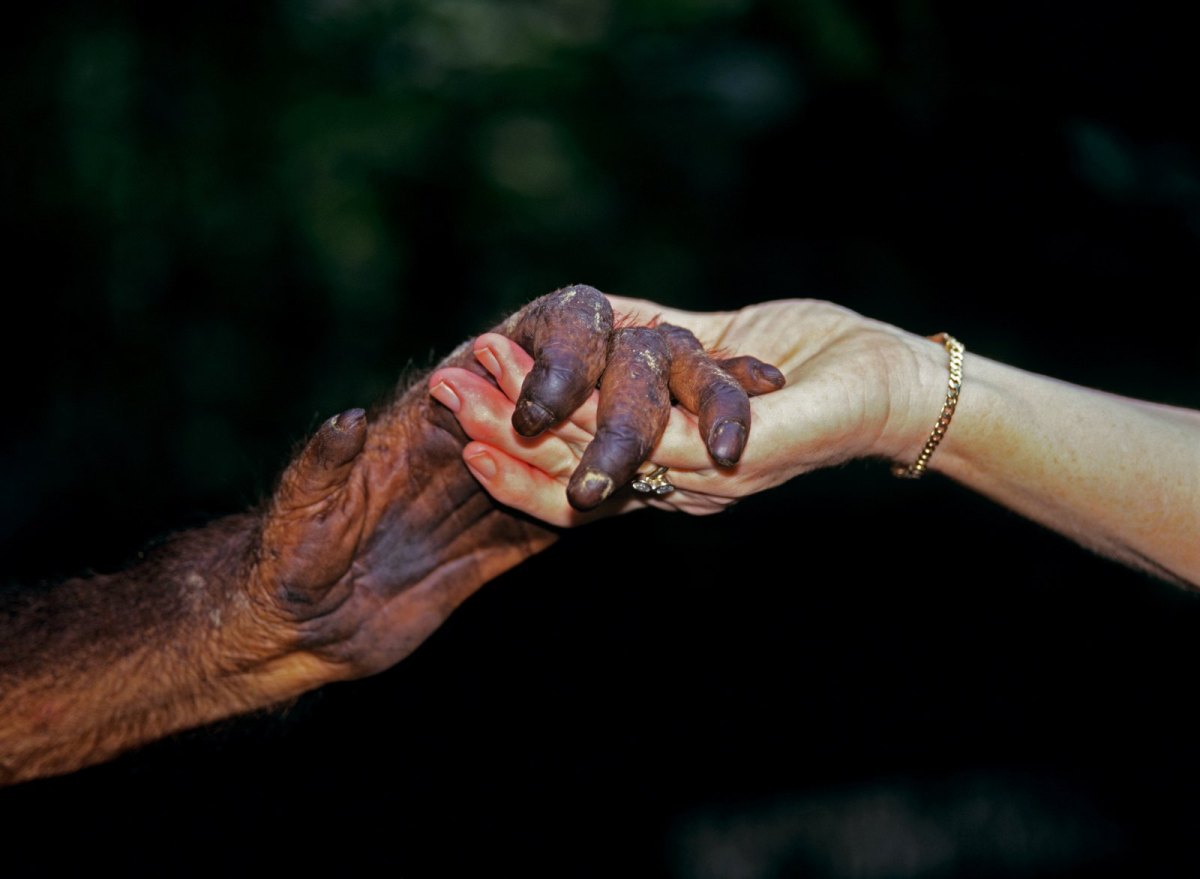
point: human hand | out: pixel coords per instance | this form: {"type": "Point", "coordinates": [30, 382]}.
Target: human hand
{"type": "Point", "coordinates": [855, 388]}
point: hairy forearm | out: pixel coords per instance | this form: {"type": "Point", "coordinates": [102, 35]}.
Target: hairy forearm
{"type": "Point", "coordinates": [375, 533]}
{"type": "Point", "coordinates": [218, 621]}
{"type": "Point", "coordinates": [99, 664]}
{"type": "Point", "coordinates": [1120, 476]}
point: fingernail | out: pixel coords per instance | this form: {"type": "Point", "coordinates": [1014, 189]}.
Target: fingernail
{"type": "Point", "coordinates": [588, 489]}
{"type": "Point", "coordinates": [601, 484]}
{"type": "Point", "coordinates": [443, 393]}
{"type": "Point", "coordinates": [530, 418]}
{"type": "Point", "coordinates": [347, 420]}
{"type": "Point", "coordinates": [489, 361]}
{"type": "Point", "coordinates": [726, 441]}
{"type": "Point", "coordinates": [483, 464]}
{"type": "Point", "coordinates": [771, 375]}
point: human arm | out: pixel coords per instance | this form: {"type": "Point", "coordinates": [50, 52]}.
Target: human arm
{"type": "Point", "coordinates": [1117, 475]}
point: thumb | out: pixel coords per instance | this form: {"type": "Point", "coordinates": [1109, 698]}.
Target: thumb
{"type": "Point", "coordinates": [324, 464]}
{"type": "Point", "coordinates": [312, 525]}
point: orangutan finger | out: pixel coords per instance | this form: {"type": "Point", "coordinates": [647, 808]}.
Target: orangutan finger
{"type": "Point", "coordinates": [710, 392]}
{"type": "Point", "coordinates": [307, 538]}
{"type": "Point", "coordinates": [567, 332]}
{"type": "Point", "coordinates": [755, 376]}
{"type": "Point", "coordinates": [508, 364]}
{"type": "Point", "coordinates": [635, 403]}
{"type": "Point", "coordinates": [325, 462]}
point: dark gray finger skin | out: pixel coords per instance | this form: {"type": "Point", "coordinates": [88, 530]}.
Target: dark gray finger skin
{"type": "Point", "coordinates": [567, 332]}
{"type": "Point", "coordinates": [703, 387]}
{"type": "Point", "coordinates": [755, 376]}
{"type": "Point", "coordinates": [635, 403]}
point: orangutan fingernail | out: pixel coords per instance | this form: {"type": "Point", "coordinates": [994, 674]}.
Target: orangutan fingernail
{"type": "Point", "coordinates": [530, 417]}
{"type": "Point", "coordinates": [347, 420]}
{"type": "Point", "coordinates": [489, 361]}
{"type": "Point", "coordinates": [445, 395]}
{"type": "Point", "coordinates": [483, 464]}
{"type": "Point", "coordinates": [726, 442]}
{"type": "Point", "coordinates": [771, 375]}
{"type": "Point", "coordinates": [599, 483]}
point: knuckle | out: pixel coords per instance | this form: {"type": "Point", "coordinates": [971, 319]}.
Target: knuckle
{"type": "Point", "coordinates": [553, 383]}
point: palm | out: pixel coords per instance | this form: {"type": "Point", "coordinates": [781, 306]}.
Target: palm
{"type": "Point", "coordinates": [839, 368]}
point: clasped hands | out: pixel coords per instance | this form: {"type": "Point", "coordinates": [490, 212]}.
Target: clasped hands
{"type": "Point", "coordinates": [377, 531]}
{"type": "Point", "coordinates": [592, 442]}
{"type": "Point", "coordinates": [564, 431]}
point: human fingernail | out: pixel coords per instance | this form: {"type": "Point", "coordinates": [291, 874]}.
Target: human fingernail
{"type": "Point", "coordinates": [483, 464]}
{"type": "Point", "coordinates": [726, 441]}
{"type": "Point", "coordinates": [445, 395]}
{"type": "Point", "coordinates": [489, 361]}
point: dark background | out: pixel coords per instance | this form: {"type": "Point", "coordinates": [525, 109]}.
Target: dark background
{"type": "Point", "coordinates": [225, 221]}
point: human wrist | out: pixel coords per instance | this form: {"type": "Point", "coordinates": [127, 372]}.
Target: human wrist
{"type": "Point", "coordinates": [918, 374]}
{"type": "Point", "coordinates": [954, 351]}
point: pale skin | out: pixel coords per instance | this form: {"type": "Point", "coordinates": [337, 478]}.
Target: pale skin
{"type": "Point", "coordinates": [1117, 475]}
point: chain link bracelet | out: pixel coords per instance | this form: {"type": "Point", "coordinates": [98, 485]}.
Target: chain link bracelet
{"type": "Point", "coordinates": [955, 349]}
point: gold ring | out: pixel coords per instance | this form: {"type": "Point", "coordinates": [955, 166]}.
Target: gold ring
{"type": "Point", "coordinates": [654, 482]}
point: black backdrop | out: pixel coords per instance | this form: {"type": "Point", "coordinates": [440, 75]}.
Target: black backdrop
{"type": "Point", "coordinates": [225, 221]}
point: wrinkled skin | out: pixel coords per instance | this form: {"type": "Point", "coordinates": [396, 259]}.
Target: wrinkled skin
{"type": "Point", "coordinates": [376, 532]}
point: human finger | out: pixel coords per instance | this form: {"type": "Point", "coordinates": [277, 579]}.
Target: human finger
{"type": "Point", "coordinates": [506, 361]}
{"type": "Point", "coordinates": [516, 483]}
{"type": "Point", "coordinates": [485, 414]}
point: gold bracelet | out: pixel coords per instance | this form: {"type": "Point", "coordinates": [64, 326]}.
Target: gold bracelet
{"type": "Point", "coordinates": [955, 349]}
